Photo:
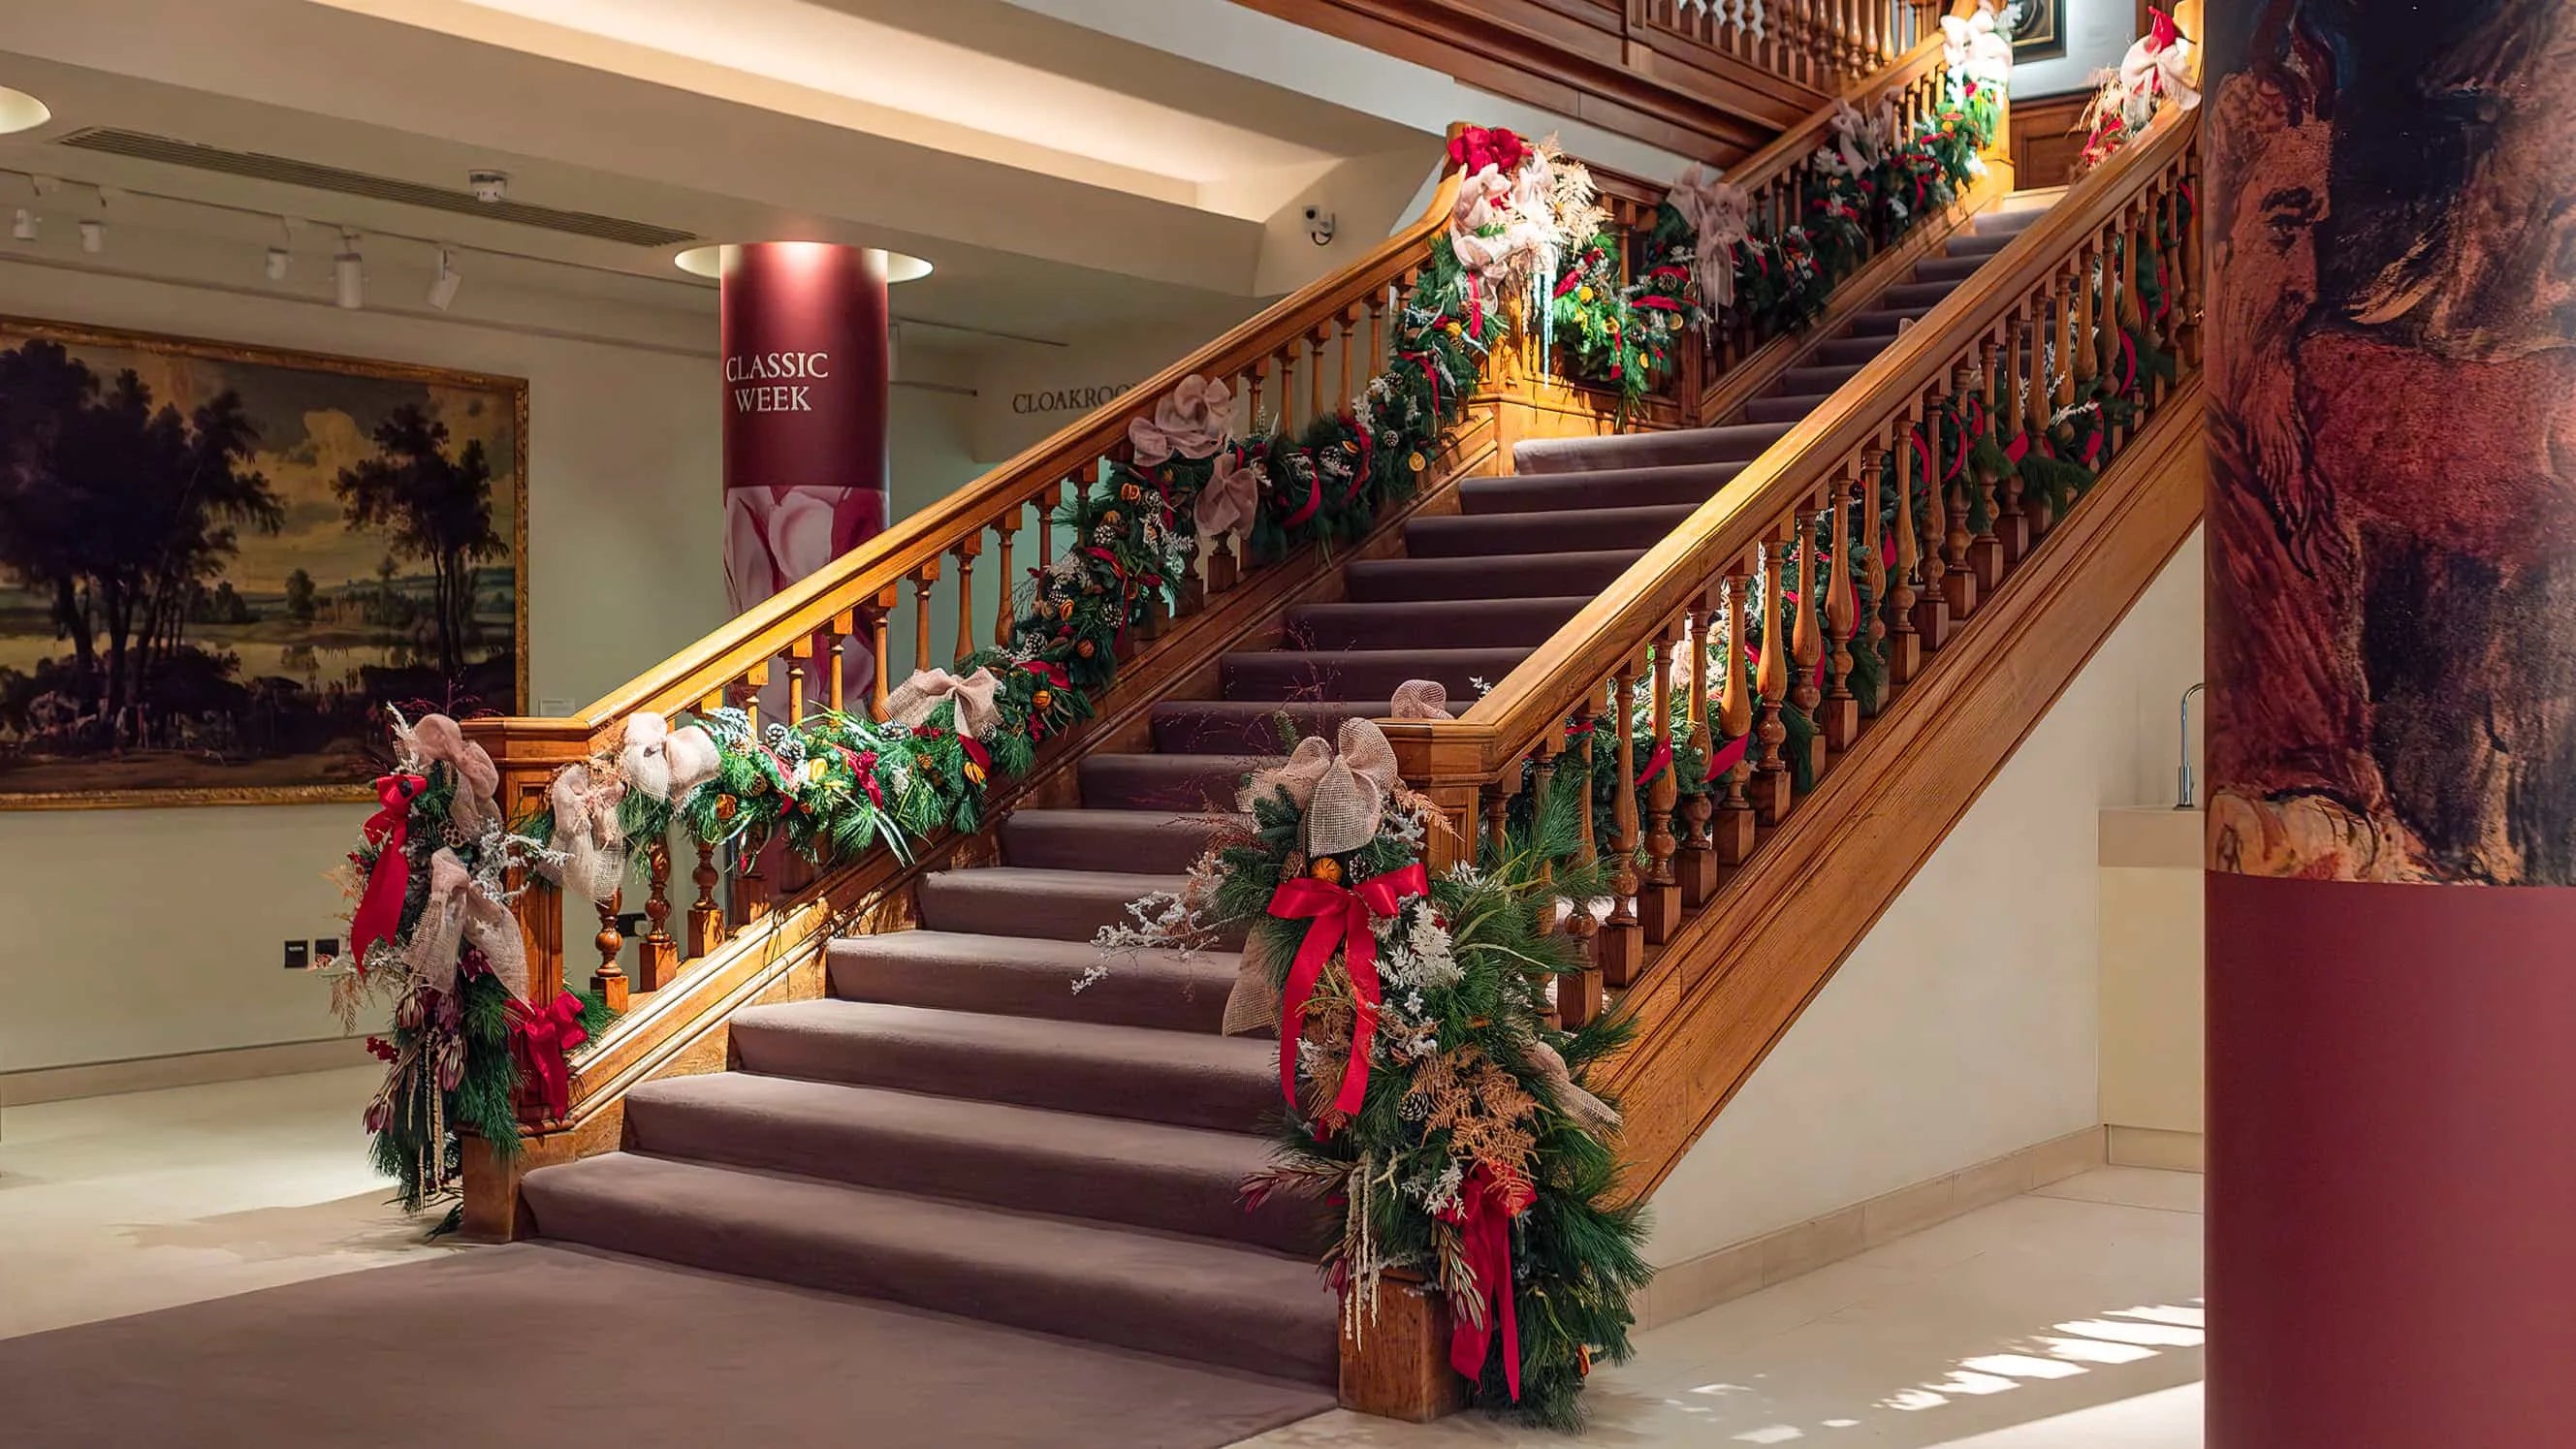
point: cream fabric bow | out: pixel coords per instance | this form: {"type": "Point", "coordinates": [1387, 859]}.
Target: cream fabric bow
{"type": "Point", "coordinates": [2160, 63]}
{"type": "Point", "coordinates": [587, 836]}
{"type": "Point", "coordinates": [664, 763]}
{"type": "Point", "coordinates": [459, 914]}
{"type": "Point", "coordinates": [1226, 504]}
{"type": "Point", "coordinates": [912, 701]}
{"type": "Point", "coordinates": [1720, 215]}
{"type": "Point", "coordinates": [1191, 422]}
{"type": "Point", "coordinates": [1974, 47]}
{"type": "Point", "coordinates": [1342, 791]}
{"type": "Point", "coordinates": [1420, 699]}
{"type": "Point", "coordinates": [434, 739]}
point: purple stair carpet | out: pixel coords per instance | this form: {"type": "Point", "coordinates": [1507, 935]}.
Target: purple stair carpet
{"type": "Point", "coordinates": [955, 1128]}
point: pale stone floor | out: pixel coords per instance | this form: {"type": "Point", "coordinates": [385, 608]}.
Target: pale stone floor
{"type": "Point", "coordinates": [2069, 1318]}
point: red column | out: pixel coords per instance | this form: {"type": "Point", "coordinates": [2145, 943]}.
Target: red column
{"type": "Point", "coordinates": [2392, 737]}
{"type": "Point", "coordinates": [806, 363]}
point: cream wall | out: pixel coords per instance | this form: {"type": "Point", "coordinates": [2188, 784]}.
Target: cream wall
{"type": "Point", "coordinates": [135, 933]}
{"type": "Point", "coordinates": [1966, 1024]}
{"type": "Point", "coordinates": [2098, 32]}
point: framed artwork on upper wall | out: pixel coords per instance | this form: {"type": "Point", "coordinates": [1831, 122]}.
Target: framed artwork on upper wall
{"type": "Point", "coordinates": [219, 563]}
{"type": "Point", "coordinates": [2039, 31]}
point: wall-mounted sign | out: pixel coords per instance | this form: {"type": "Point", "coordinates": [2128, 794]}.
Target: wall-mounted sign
{"type": "Point", "coordinates": [1068, 399]}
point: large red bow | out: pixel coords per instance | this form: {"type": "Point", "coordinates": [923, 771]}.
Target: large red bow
{"type": "Point", "coordinates": [1474, 148]}
{"type": "Point", "coordinates": [542, 1039]}
{"type": "Point", "coordinates": [1483, 1216]}
{"type": "Point", "coordinates": [1337, 917]}
{"type": "Point", "coordinates": [379, 913]}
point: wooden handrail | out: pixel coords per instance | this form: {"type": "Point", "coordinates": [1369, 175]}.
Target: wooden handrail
{"type": "Point", "coordinates": [1503, 726]}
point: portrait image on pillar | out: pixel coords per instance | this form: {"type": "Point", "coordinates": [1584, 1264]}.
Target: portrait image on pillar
{"type": "Point", "coordinates": [2392, 534]}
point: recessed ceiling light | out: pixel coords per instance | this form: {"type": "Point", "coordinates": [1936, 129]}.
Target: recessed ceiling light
{"type": "Point", "coordinates": [708, 261]}
{"type": "Point", "coordinates": [20, 111]}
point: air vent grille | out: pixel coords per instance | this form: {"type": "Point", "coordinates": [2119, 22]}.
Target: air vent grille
{"type": "Point", "coordinates": [145, 147]}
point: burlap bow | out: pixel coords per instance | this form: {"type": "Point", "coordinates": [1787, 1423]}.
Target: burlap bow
{"type": "Point", "coordinates": [2161, 63]}
{"type": "Point", "coordinates": [912, 701]}
{"type": "Point", "coordinates": [1191, 423]}
{"type": "Point", "coordinates": [1973, 47]}
{"type": "Point", "coordinates": [1594, 1115]}
{"type": "Point", "coordinates": [664, 763]}
{"type": "Point", "coordinates": [587, 836]}
{"type": "Point", "coordinates": [434, 739]}
{"type": "Point", "coordinates": [459, 914]}
{"type": "Point", "coordinates": [1720, 215]}
{"type": "Point", "coordinates": [1342, 792]}
{"type": "Point", "coordinates": [1420, 699]}
{"type": "Point", "coordinates": [1229, 502]}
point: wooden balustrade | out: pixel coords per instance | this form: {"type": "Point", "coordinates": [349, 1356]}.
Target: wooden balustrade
{"type": "Point", "coordinates": [1864, 537]}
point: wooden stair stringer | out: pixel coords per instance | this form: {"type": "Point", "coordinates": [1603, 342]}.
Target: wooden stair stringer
{"type": "Point", "coordinates": [1739, 974]}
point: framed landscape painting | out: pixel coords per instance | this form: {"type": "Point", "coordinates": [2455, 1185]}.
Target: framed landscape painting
{"type": "Point", "coordinates": [218, 564]}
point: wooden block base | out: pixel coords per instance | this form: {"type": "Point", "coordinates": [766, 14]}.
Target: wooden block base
{"type": "Point", "coordinates": [1659, 909]}
{"type": "Point", "coordinates": [1731, 836]}
{"type": "Point", "coordinates": [1619, 952]}
{"type": "Point", "coordinates": [1578, 994]}
{"type": "Point", "coordinates": [1932, 622]}
{"type": "Point", "coordinates": [1840, 719]}
{"type": "Point", "coordinates": [1816, 755]}
{"type": "Point", "coordinates": [657, 963]}
{"type": "Point", "coordinates": [2013, 531]}
{"type": "Point", "coordinates": [1986, 561]}
{"type": "Point", "coordinates": [1397, 1367]}
{"type": "Point", "coordinates": [611, 985]}
{"type": "Point", "coordinates": [1696, 870]}
{"type": "Point", "coordinates": [706, 931]}
{"type": "Point", "coordinates": [1771, 794]}
{"type": "Point", "coordinates": [1959, 589]}
{"type": "Point", "coordinates": [1904, 659]}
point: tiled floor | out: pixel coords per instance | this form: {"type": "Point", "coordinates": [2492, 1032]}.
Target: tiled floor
{"type": "Point", "coordinates": [2065, 1319]}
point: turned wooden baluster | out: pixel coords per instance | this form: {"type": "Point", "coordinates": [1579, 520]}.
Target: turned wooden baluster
{"type": "Point", "coordinates": [1659, 906]}
{"type": "Point", "coordinates": [1959, 585]}
{"type": "Point", "coordinates": [2188, 285]}
{"type": "Point", "coordinates": [2088, 340]}
{"type": "Point", "coordinates": [706, 918]}
{"type": "Point", "coordinates": [922, 579]}
{"type": "Point", "coordinates": [1498, 821]}
{"type": "Point", "coordinates": [1005, 528]}
{"type": "Point", "coordinates": [1873, 563]}
{"type": "Point", "coordinates": [888, 598]}
{"type": "Point", "coordinates": [750, 893]}
{"type": "Point", "coordinates": [1840, 723]}
{"type": "Point", "coordinates": [1578, 997]}
{"type": "Point", "coordinates": [1985, 549]}
{"type": "Point", "coordinates": [1904, 646]}
{"type": "Point", "coordinates": [1732, 832]}
{"type": "Point", "coordinates": [1772, 790]}
{"type": "Point", "coordinates": [1284, 364]}
{"type": "Point", "coordinates": [1696, 867]}
{"type": "Point", "coordinates": [1806, 639]}
{"type": "Point", "coordinates": [1932, 609]}
{"type": "Point", "coordinates": [2012, 524]}
{"type": "Point", "coordinates": [1621, 950]}
{"type": "Point", "coordinates": [609, 981]}
{"type": "Point", "coordinates": [1542, 784]}
{"type": "Point", "coordinates": [800, 660]}
{"type": "Point", "coordinates": [657, 956]}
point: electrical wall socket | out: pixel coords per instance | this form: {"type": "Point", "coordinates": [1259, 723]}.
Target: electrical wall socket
{"type": "Point", "coordinates": [299, 955]}
{"type": "Point", "coordinates": [326, 948]}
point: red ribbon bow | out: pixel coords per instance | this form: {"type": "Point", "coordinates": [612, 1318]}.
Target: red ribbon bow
{"type": "Point", "coordinates": [1338, 916]}
{"type": "Point", "coordinates": [1474, 148]}
{"type": "Point", "coordinates": [379, 913]}
{"type": "Point", "coordinates": [1483, 1216]}
{"type": "Point", "coordinates": [541, 1039]}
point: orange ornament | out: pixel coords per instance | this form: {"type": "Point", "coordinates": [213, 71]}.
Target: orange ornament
{"type": "Point", "coordinates": [1084, 649]}
{"type": "Point", "coordinates": [1042, 700]}
{"type": "Point", "coordinates": [1326, 869]}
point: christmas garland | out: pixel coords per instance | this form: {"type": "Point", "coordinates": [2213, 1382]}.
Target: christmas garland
{"type": "Point", "coordinates": [1425, 1096]}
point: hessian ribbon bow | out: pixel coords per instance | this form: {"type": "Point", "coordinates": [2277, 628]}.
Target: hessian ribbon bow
{"type": "Point", "coordinates": [379, 912]}
{"type": "Point", "coordinates": [1337, 916]}
{"type": "Point", "coordinates": [542, 1039]}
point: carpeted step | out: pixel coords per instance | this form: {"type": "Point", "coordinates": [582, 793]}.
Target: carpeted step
{"type": "Point", "coordinates": [1431, 623]}
{"type": "Point", "coordinates": [1783, 410]}
{"type": "Point", "coordinates": [1150, 840]}
{"type": "Point", "coordinates": [1394, 580]}
{"type": "Point", "coordinates": [1690, 483]}
{"type": "Point", "coordinates": [2005, 220]}
{"type": "Point", "coordinates": [1815, 378]}
{"type": "Point", "coordinates": [1916, 294]}
{"type": "Point", "coordinates": [1472, 535]}
{"type": "Point", "coordinates": [1973, 244]}
{"type": "Point", "coordinates": [1361, 674]}
{"type": "Point", "coordinates": [1189, 1078]}
{"type": "Point", "coordinates": [1191, 1298]}
{"type": "Point", "coordinates": [1737, 444]}
{"type": "Point", "coordinates": [1165, 782]}
{"type": "Point", "coordinates": [1105, 1169]}
{"type": "Point", "coordinates": [1004, 900]}
{"type": "Point", "coordinates": [1946, 269]}
{"type": "Point", "coordinates": [1031, 976]}
{"type": "Point", "coordinates": [1218, 726]}
{"type": "Point", "coordinates": [1883, 322]}
{"type": "Point", "coordinates": [1852, 351]}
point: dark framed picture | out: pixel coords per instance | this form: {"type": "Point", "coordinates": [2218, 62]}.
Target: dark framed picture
{"type": "Point", "coordinates": [2039, 30]}
{"type": "Point", "coordinates": [218, 563]}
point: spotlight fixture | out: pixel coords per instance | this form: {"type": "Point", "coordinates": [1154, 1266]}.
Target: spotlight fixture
{"type": "Point", "coordinates": [279, 259]}
{"type": "Point", "coordinates": [93, 236]}
{"type": "Point", "coordinates": [348, 274]}
{"type": "Point", "coordinates": [442, 292]}
{"type": "Point", "coordinates": [20, 111]}
{"type": "Point", "coordinates": [24, 227]}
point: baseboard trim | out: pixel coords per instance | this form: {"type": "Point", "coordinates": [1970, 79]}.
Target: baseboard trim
{"type": "Point", "coordinates": [2153, 1147]}
{"type": "Point", "coordinates": [1712, 1278]}
{"type": "Point", "coordinates": [28, 1086]}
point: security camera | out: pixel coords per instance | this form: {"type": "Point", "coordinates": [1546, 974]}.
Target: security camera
{"type": "Point", "coordinates": [1319, 226]}
{"type": "Point", "coordinates": [488, 187]}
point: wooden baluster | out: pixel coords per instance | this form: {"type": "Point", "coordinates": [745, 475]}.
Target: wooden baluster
{"type": "Point", "coordinates": [1621, 949]}
{"type": "Point", "coordinates": [657, 956]}
{"type": "Point", "coordinates": [965, 553]}
{"type": "Point", "coordinates": [1498, 822]}
{"type": "Point", "coordinates": [2088, 340]}
{"type": "Point", "coordinates": [887, 599]}
{"type": "Point", "coordinates": [1932, 609]}
{"type": "Point", "coordinates": [2189, 289]}
{"type": "Point", "coordinates": [1258, 370]}
{"type": "Point", "coordinates": [1578, 997]}
{"type": "Point", "coordinates": [1696, 866]}
{"type": "Point", "coordinates": [1004, 529]}
{"type": "Point", "coordinates": [1959, 585]}
{"type": "Point", "coordinates": [1772, 790]}
{"type": "Point", "coordinates": [1315, 341]}
{"type": "Point", "coordinates": [835, 668]}
{"type": "Point", "coordinates": [1378, 308]}
{"type": "Point", "coordinates": [1731, 829]}
{"type": "Point", "coordinates": [1873, 564]}
{"type": "Point", "coordinates": [750, 893]}
{"type": "Point", "coordinates": [1351, 317]}
{"type": "Point", "coordinates": [2012, 525]}
{"type": "Point", "coordinates": [1659, 906]}
{"type": "Point", "coordinates": [1904, 646]}
{"type": "Point", "coordinates": [1806, 643]}
{"type": "Point", "coordinates": [609, 982]}
{"type": "Point", "coordinates": [2062, 385]}
{"type": "Point", "coordinates": [1840, 724]}
{"type": "Point", "coordinates": [706, 918]}
{"type": "Point", "coordinates": [1286, 361]}
{"type": "Point", "coordinates": [1985, 549]}
{"type": "Point", "coordinates": [1542, 785]}
{"type": "Point", "coordinates": [800, 662]}
{"type": "Point", "coordinates": [922, 579]}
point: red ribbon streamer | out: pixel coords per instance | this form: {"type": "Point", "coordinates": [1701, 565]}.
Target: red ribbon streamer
{"type": "Point", "coordinates": [541, 1039]}
{"type": "Point", "coordinates": [379, 913]}
{"type": "Point", "coordinates": [1726, 757]}
{"type": "Point", "coordinates": [1314, 499]}
{"type": "Point", "coordinates": [1655, 762]}
{"type": "Point", "coordinates": [1338, 917]}
{"type": "Point", "coordinates": [1483, 1216]}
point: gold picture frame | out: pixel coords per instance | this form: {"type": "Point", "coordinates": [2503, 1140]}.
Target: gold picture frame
{"type": "Point", "coordinates": [336, 406]}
